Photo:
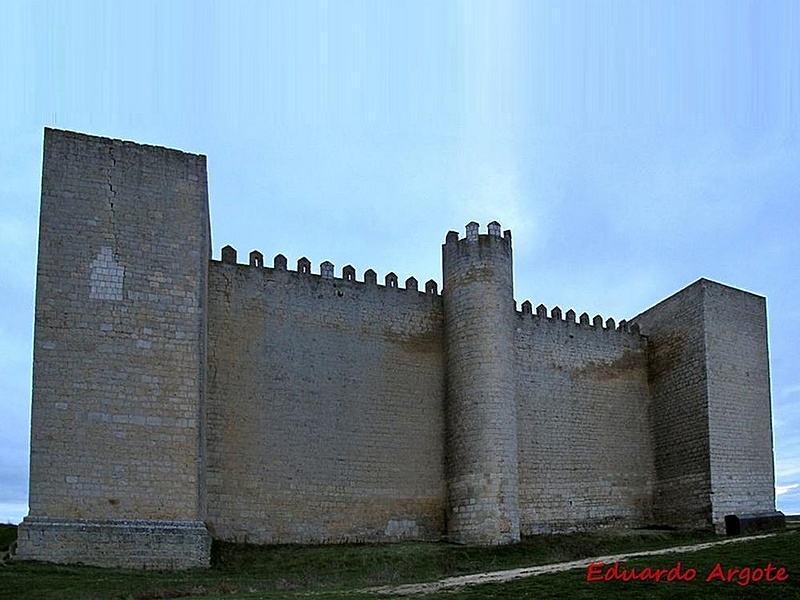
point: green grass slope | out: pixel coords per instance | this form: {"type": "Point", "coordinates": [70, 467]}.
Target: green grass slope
{"type": "Point", "coordinates": [347, 571]}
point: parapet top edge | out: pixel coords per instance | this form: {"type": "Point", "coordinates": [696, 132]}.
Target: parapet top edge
{"type": "Point", "coordinates": [702, 284]}
{"type": "Point", "coordinates": [52, 131]}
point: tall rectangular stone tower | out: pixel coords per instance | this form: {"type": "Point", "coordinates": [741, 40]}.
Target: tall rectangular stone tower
{"type": "Point", "coordinates": [708, 370]}
{"type": "Point", "coordinates": [119, 356]}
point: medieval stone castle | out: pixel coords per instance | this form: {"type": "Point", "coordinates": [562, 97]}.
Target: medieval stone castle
{"type": "Point", "coordinates": [178, 398]}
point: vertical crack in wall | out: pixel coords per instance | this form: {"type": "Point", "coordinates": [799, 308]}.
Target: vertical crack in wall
{"type": "Point", "coordinates": [112, 196]}
{"type": "Point", "coordinates": [106, 277]}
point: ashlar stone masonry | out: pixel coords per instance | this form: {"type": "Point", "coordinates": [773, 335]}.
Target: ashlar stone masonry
{"type": "Point", "coordinates": [178, 398]}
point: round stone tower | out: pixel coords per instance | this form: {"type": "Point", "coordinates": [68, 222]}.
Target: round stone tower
{"type": "Point", "coordinates": [482, 476]}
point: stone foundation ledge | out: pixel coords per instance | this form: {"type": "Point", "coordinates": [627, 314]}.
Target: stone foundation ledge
{"type": "Point", "coordinates": [753, 523]}
{"type": "Point", "coordinates": [128, 544]}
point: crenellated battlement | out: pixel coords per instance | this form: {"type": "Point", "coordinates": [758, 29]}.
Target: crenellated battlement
{"type": "Point", "coordinates": [473, 234]}
{"type": "Point", "coordinates": [596, 323]}
{"type": "Point", "coordinates": [326, 271]}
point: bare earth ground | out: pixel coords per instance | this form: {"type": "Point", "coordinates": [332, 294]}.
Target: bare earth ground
{"type": "Point", "coordinates": [502, 576]}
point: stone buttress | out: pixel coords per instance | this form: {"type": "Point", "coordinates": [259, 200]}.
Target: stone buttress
{"type": "Point", "coordinates": [481, 423]}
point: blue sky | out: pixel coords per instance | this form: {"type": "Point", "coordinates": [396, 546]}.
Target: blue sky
{"type": "Point", "coordinates": [632, 148]}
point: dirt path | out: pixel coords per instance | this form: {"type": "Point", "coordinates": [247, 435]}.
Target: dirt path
{"type": "Point", "coordinates": [449, 583]}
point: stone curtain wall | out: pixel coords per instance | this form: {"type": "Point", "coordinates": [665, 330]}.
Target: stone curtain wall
{"type": "Point", "coordinates": [119, 356]}
{"type": "Point", "coordinates": [325, 413]}
{"type": "Point", "coordinates": [585, 454]}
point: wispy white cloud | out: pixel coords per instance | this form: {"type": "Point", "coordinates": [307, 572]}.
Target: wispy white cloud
{"type": "Point", "coordinates": [780, 490]}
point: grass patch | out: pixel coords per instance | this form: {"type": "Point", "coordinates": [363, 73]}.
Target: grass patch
{"type": "Point", "coordinates": [240, 571]}
{"type": "Point", "coordinates": [793, 523]}
{"type": "Point", "coordinates": [781, 550]}
{"type": "Point", "coordinates": [8, 533]}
